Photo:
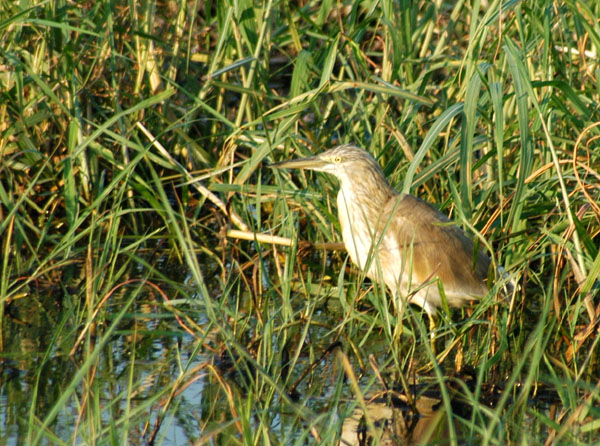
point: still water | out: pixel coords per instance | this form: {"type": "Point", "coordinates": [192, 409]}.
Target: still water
{"type": "Point", "coordinates": [148, 371]}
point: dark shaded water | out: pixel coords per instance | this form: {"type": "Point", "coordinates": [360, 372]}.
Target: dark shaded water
{"type": "Point", "coordinates": [130, 386]}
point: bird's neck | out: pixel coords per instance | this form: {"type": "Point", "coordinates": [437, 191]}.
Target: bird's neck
{"type": "Point", "coordinates": [364, 198]}
{"type": "Point", "coordinates": [361, 209]}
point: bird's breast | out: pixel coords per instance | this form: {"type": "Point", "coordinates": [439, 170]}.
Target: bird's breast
{"type": "Point", "coordinates": [359, 233]}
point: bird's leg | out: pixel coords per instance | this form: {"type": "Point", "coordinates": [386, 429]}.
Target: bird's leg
{"type": "Point", "coordinates": [433, 332]}
{"type": "Point", "coordinates": [399, 312]}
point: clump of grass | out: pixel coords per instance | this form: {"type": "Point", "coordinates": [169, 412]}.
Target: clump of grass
{"type": "Point", "coordinates": [134, 138]}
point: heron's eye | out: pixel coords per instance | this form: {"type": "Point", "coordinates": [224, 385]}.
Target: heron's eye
{"type": "Point", "coordinates": [337, 159]}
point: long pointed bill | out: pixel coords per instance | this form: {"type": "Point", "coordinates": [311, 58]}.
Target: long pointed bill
{"type": "Point", "coordinates": [313, 162]}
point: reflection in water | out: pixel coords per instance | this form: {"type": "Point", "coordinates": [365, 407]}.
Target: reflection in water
{"type": "Point", "coordinates": [158, 381]}
{"type": "Point", "coordinates": [395, 422]}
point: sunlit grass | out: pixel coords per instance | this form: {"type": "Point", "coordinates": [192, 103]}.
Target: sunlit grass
{"type": "Point", "coordinates": [134, 136]}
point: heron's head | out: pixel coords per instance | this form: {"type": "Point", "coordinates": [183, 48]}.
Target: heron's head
{"type": "Point", "coordinates": [347, 162]}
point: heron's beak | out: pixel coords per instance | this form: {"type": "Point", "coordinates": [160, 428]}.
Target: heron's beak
{"type": "Point", "coordinates": [312, 163]}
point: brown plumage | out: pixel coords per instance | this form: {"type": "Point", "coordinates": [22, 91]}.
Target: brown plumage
{"type": "Point", "coordinates": [398, 238]}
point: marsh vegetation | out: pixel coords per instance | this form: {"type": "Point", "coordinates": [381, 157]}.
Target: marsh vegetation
{"type": "Point", "coordinates": [143, 298]}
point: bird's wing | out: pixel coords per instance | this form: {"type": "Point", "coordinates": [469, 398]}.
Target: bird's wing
{"type": "Point", "coordinates": [434, 246]}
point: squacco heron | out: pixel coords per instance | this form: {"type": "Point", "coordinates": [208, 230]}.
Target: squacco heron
{"type": "Point", "coordinates": [398, 238]}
